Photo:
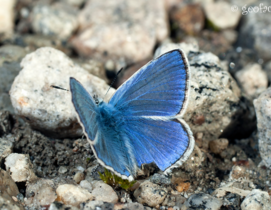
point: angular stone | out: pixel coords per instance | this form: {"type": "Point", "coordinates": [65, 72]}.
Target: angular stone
{"type": "Point", "coordinates": [48, 109]}
{"type": "Point", "coordinates": [20, 167]}
{"type": "Point", "coordinates": [150, 194]}
{"type": "Point", "coordinates": [262, 106]}
{"type": "Point", "coordinates": [121, 29]}
{"type": "Point", "coordinates": [6, 147]}
{"type": "Point", "coordinates": [72, 195]}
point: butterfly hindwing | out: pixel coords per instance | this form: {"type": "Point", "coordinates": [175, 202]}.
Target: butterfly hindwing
{"type": "Point", "coordinates": [85, 108]}
{"type": "Point", "coordinates": [157, 89]}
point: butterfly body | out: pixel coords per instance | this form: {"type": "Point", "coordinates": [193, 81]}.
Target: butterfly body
{"type": "Point", "coordinates": [142, 122]}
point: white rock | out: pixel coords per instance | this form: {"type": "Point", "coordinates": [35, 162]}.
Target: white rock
{"type": "Point", "coordinates": [73, 195]}
{"type": "Point", "coordinates": [40, 193]}
{"type": "Point", "coordinates": [86, 184]}
{"type": "Point", "coordinates": [121, 29]}
{"type": "Point", "coordinates": [48, 109]}
{"type": "Point", "coordinates": [253, 80]}
{"type": "Point", "coordinates": [229, 19]}
{"type": "Point", "coordinates": [104, 192]}
{"type": "Point", "coordinates": [5, 148]}
{"type": "Point", "coordinates": [7, 17]}
{"type": "Point", "coordinates": [20, 167]}
{"type": "Point", "coordinates": [263, 112]}
{"type": "Point", "coordinates": [256, 200]}
{"type": "Point", "coordinates": [57, 19]}
{"type": "Point", "coordinates": [150, 194]}
{"type": "Point", "coordinates": [56, 206]}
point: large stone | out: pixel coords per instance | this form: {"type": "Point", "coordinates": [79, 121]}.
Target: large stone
{"type": "Point", "coordinates": [214, 102]}
{"type": "Point", "coordinates": [121, 29]}
{"type": "Point", "coordinates": [150, 194]}
{"type": "Point", "coordinates": [256, 28]}
{"type": "Point", "coordinates": [7, 17]}
{"type": "Point", "coordinates": [72, 195]}
{"type": "Point", "coordinates": [256, 200]}
{"type": "Point", "coordinates": [263, 112]}
{"type": "Point", "coordinates": [20, 167]}
{"type": "Point", "coordinates": [48, 109]}
{"type": "Point", "coordinates": [58, 19]}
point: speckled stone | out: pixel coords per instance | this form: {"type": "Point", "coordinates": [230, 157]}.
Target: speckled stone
{"type": "Point", "coordinates": [41, 192]}
{"type": "Point", "coordinates": [121, 29]}
{"type": "Point", "coordinates": [218, 145]}
{"type": "Point", "coordinates": [47, 109]}
{"type": "Point", "coordinates": [5, 148]}
{"type": "Point", "coordinates": [20, 167]}
{"type": "Point", "coordinates": [202, 200]}
{"type": "Point", "coordinates": [150, 194]}
{"type": "Point", "coordinates": [263, 110]}
{"type": "Point", "coordinates": [256, 200]}
{"type": "Point", "coordinates": [58, 19]}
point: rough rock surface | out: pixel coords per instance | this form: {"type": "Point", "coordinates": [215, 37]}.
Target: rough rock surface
{"type": "Point", "coordinates": [214, 103]}
{"type": "Point", "coordinates": [40, 192]}
{"type": "Point", "coordinates": [262, 106]}
{"type": "Point", "coordinates": [203, 201]}
{"type": "Point", "coordinates": [58, 19]}
{"type": "Point", "coordinates": [121, 29]}
{"type": "Point", "coordinates": [72, 195]}
{"type": "Point", "coordinates": [150, 194]}
{"type": "Point", "coordinates": [5, 148]}
{"type": "Point", "coordinates": [256, 200]}
{"type": "Point", "coordinates": [20, 167]}
{"type": "Point", "coordinates": [48, 109]}
{"type": "Point", "coordinates": [253, 80]}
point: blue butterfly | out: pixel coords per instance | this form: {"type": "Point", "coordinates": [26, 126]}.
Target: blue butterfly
{"type": "Point", "coordinates": [142, 121]}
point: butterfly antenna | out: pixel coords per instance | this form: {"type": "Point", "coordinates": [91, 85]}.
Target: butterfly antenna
{"type": "Point", "coordinates": [113, 82]}
{"type": "Point", "coordinates": [56, 87]}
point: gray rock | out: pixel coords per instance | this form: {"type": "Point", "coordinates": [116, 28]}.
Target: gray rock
{"type": "Point", "coordinates": [5, 103]}
{"type": "Point", "coordinates": [256, 27]}
{"type": "Point", "coordinates": [214, 102]}
{"type": "Point", "coordinates": [75, 3]}
{"type": "Point", "coordinates": [160, 179]}
{"type": "Point", "coordinates": [7, 18]}
{"type": "Point", "coordinates": [58, 19]}
{"type": "Point", "coordinates": [134, 206]}
{"type": "Point", "coordinates": [229, 19]}
{"type": "Point", "coordinates": [202, 201]}
{"type": "Point", "coordinates": [20, 167]}
{"type": "Point", "coordinates": [94, 205]}
{"type": "Point", "coordinates": [267, 69]}
{"type": "Point", "coordinates": [104, 192]}
{"type": "Point", "coordinates": [6, 148]}
{"type": "Point", "coordinates": [253, 80]}
{"type": "Point", "coordinates": [121, 29]}
{"type": "Point", "coordinates": [150, 194]}
{"type": "Point", "coordinates": [5, 123]}
{"type": "Point", "coordinates": [87, 185]}
{"type": "Point", "coordinates": [263, 112]}
{"type": "Point", "coordinates": [256, 200]}
{"type": "Point", "coordinates": [40, 192]}
{"type": "Point", "coordinates": [48, 109]}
